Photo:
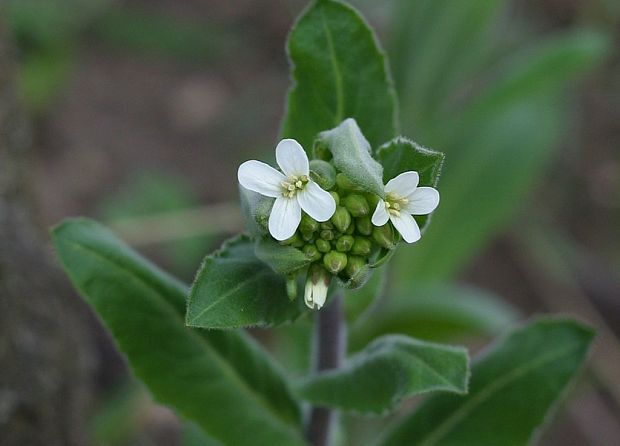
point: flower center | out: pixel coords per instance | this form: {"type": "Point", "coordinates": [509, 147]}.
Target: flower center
{"type": "Point", "coordinates": [395, 203]}
{"type": "Point", "coordinates": [293, 184]}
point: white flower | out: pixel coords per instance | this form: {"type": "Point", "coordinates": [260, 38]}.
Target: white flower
{"type": "Point", "coordinates": [293, 189]}
{"type": "Point", "coordinates": [403, 198]}
{"type": "Point", "coordinates": [317, 284]}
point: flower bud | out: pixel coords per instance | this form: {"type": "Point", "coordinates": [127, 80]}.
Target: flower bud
{"type": "Point", "coordinates": [372, 200]}
{"type": "Point", "coordinates": [361, 247]}
{"type": "Point", "coordinates": [357, 205]}
{"type": "Point", "coordinates": [336, 197]}
{"type": "Point", "coordinates": [307, 237]}
{"type": "Point", "coordinates": [354, 265]}
{"type": "Point", "coordinates": [317, 284]}
{"type": "Point", "coordinates": [363, 225]}
{"type": "Point", "coordinates": [323, 174]}
{"type": "Point", "coordinates": [344, 183]}
{"type": "Point", "coordinates": [321, 151]}
{"type": "Point", "coordinates": [327, 234]}
{"type": "Point", "coordinates": [351, 229]}
{"type": "Point", "coordinates": [323, 245]}
{"type": "Point", "coordinates": [335, 261]}
{"type": "Point", "coordinates": [344, 243]}
{"type": "Point", "coordinates": [341, 218]}
{"type": "Point", "coordinates": [384, 236]}
{"type": "Point", "coordinates": [308, 225]}
{"type": "Point", "coordinates": [327, 225]}
{"type": "Point", "coordinates": [312, 252]}
{"type": "Point", "coordinates": [295, 241]}
{"type": "Point", "coordinates": [291, 287]}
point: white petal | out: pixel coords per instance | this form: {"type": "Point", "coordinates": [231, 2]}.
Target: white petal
{"type": "Point", "coordinates": [284, 219]}
{"type": "Point", "coordinates": [407, 226]}
{"type": "Point", "coordinates": [422, 201]}
{"type": "Point", "coordinates": [403, 184]}
{"type": "Point", "coordinates": [316, 202]}
{"type": "Point", "coordinates": [292, 158]}
{"type": "Point", "coordinates": [315, 294]}
{"type": "Point", "coordinates": [261, 178]}
{"type": "Point", "coordinates": [380, 216]}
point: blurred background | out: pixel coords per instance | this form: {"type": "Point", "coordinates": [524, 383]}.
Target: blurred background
{"type": "Point", "coordinates": [140, 111]}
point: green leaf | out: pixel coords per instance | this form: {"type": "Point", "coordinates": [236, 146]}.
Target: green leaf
{"type": "Point", "coordinates": [402, 155]}
{"type": "Point", "coordinates": [391, 368]}
{"type": "Point", "coordinates": [339, 71]}
{"type": "Point", "coordinates": [352, 156]}
{"type": "Point", "coordinates": [205, 376]}
{"type": "Point", "coordinates": [436, 46]}
{"type": "Point", "coordinates": [282, 259]}
{"type": "Point", "coordinates": [542, 70]}
{"type": "Point", "coordinates": [497, 144]}
{"type": "Point", "coordinates": [513, 388]}
{"type": "Point", "coordinates": [441, 313]}
{"type": "Point", "coordinates": [233, 288]}
{"type": "Point", "coordinates": [480, 187]}
{"type": "Point", "coordinates": [192, 435]}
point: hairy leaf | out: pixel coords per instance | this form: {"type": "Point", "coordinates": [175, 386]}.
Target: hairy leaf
{"type": "Point", "coordinates": [391, 368]}
{"type": "Point", "coordinates": [233, 288]}
{"type": "Point", "coordinates": [339, 71]}
{"type": "Point", "coordinates": [513, 388]}
{"type": "Point", "coordinates": [282, 259]}
{"type": "Point", "coordinates": [208, 377]}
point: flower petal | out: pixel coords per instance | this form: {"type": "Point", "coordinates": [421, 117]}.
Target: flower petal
{"type": "Point", "coordinates": [380, 216]}
{"type": "Point", "coordinates": [260, 177]}
{"type": "Point", "coordinates": [284, 219]}
{"type": "Point", "coordinates": [316, 202]}
{"type": "Point", "coordinates": [404, 184]}
{"type": "Point", "coordinates": [422, 201]}
{"type": "Point", "coordinates": [292, 158]}
{"type": "Point", "coordinates": [407, 226]}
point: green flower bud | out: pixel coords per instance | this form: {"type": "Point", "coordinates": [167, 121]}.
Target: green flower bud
{"type": "Point", "coordinates": [323, 174]}
{"type": "Point", "coordinates": [295, 241]}
{"type": "Point", "coordinates": [323, 245]}
{"type": "Point", "coordinates": [336, 197]}
{"type": "Point", "coordinates": [357, 205]}
{"type": "Point", "coordinates": [291, 287]}
{"type": "Point", "coordinates": [363, 225]}
{"type": "Point", "coordinates": [344, 243]}
{"type": "Point", "coordinates": [308, 224]}
{"type": "Point", "coordinates": [335, 261]}
{"type": "Point", "coordinates": [354, 265]}
{"type": "Point", "coordinates": [321, 151]}
{"type": "Point", "coordinates": [361, 247]}
{"type": "Point", "coordinates": [384, 236]}
{"type": "Point", "coordinates": [327, 234]}
{"type": "Point", "coordinates": [344, 183]}
{"type": "Point", "coordinates": [351, 229]}
{"type": "Point", "coordinates": [372, 201]}
{"type": "Point", "coordinates": [341, 218]}
{"type": "Point", "coordinates": [307, 237]}
{"type": "Point", "coordinates": [312, 252]}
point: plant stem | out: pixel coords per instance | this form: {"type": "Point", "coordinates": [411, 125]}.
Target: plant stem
{"type": "Point", "coordinates": [329, 348]}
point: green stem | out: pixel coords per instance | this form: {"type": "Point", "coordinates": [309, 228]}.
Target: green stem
{"type": "Point", "coordinates": [329, 349]}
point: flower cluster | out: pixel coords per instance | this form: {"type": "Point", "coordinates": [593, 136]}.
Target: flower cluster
{"type": "Point", "coordinates": [333, 221]}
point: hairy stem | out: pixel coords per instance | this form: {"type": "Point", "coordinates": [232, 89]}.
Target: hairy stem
{"type": "Point", "coordinates": [329, 348]}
